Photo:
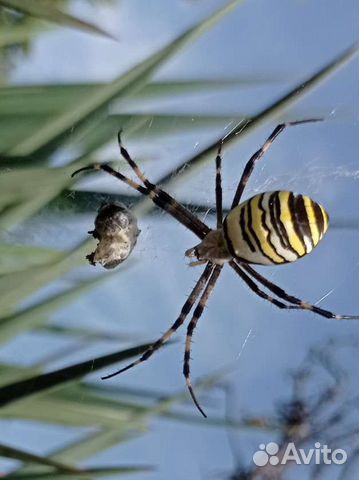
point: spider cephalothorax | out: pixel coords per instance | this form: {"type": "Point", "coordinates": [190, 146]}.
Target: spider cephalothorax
{"type": "Point", "coordinates": [269, 229]}
{"type": "Point", "coordinates": [213, 248]}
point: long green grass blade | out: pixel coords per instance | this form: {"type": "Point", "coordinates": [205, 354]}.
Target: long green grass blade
{"type": "Point", "coordinates": [17, 454]}
{"type": "Point", "coordinates": [87, 334]}
{"type": "Point", "coordinates": [161, 124]}
{"type": "Point", "coordinates": [36, 315]}
{"type": "Point", "coordinates": [99, 134]}
{"type": "Point", "coordinates": [19, 257]}
{"type": "Point", "coordinates": [12, 373]}
{"type": "Point", "coordinates": [86, 404]}
{"type": "Point", "coordinates": [44, 10]}
{"type": "Point", "coordinates": [24, 191]}
{"type": "Point", "coordinates": [54, 133]}
{"type": "Point", "coordinates": [81, 474]}
{"type": "Point", "coordinates": [17, 34]}
{"type": "Point", "coordinates": [73, 413]}
{"type": "Point", "coordinates": [103, 129]}
{"type": "Point", "coordinates": [93, 444]}
{"type": "Point", "coordinates": [17, 286]}
{"type": "Point", "coordinates": [40, 383]}
{"type": "Point", "coordinates": [44, 100]}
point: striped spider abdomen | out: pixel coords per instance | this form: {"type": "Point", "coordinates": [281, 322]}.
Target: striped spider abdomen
{"type": "Point", "coordinates": [272, 228]}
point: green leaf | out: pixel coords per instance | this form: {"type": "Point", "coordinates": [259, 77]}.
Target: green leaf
{"type": "Point", "coordinates": [17, 454]}
{"type": "Point", "coordinates": [18, 126]}
{"type": "Point", "coordinates": [46, 100]}
{"type": "Point", "coordinates": [91, 445]}
{"type": "Point", "coordinates": [75, 413]}
{"type": "Point", "coordinates": [54, 133]}
{"type": "Point", "coordinates": [40, 383]}
{"type": "Point", "coordinates": [105, 405]}
{"type": "Point", "coordinates": [99, 134]}
{"type": "Point", "coordinates": [86, 334]}
{"type": "Point", "coordinates": [37, 315]}
{"type": "Point", "coordinates": [11, 373]}
{"type": "Point", "coordinates": [84, 473]}
{"type": "Point", "coordinates": [17, 34]}
{"type": "Point", "coordinates": [24, 191]}
{"type": "Point", "coordinates": [19, 257]}
{"type": "Point", "coordinates": [44, 10]}
{"type": "Point", "coordinates": [17, 286]}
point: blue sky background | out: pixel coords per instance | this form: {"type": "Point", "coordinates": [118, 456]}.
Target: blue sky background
{"type": "Point", "coordinates": [282, 42]}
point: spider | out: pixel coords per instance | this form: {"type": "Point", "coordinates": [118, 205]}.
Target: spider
{"type": "Point", "coordinates": [270, 228]}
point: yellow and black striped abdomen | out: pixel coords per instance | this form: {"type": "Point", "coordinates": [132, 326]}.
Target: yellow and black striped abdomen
{"type": "Point", "coordinates": [274, 228]}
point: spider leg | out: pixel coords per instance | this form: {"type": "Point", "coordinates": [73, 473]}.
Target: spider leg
{"type": "Point", "coordinates": [219, 202]}
{"type": "Point", "coordinates": [163, 200]}
{"type": "Point", "coordinates": [168, 203]}
{"type": "Point", "coordinates": [294, 300]}
{"type": "Point", "coordinates": [254, 287]}
{"type": "Point", "coordinates": [182, 317]}
{"type": "Point", "coordinates": [192, 325]}
{"type": "Point", "coordinates": [106, 168]}
{"type": "Point", "coordinates": [248, 169]}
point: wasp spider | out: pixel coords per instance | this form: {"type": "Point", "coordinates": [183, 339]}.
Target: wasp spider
{"type": "Point", "coordinates": [271, 228]}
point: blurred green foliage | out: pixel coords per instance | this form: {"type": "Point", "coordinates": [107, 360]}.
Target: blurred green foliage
{"type": "Point", "coordinates": [35, 123]}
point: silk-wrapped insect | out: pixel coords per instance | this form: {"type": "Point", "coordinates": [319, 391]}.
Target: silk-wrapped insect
{"type": "Point", "coordinates": [116, 231]}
